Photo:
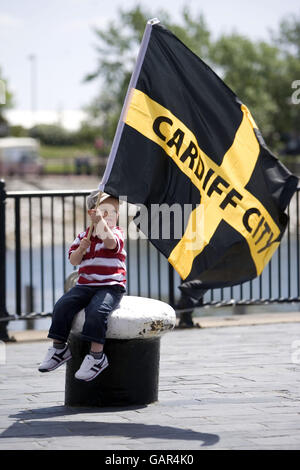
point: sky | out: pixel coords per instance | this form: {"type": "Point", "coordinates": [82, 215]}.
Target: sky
{"type": "Point", "coordinates": [59, 34]}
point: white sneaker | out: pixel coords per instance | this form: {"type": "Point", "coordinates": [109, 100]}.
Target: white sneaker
{"type": "Point", "coordinates": [55, 358]}
{"type": "Point", "coordinates": [91, 367]}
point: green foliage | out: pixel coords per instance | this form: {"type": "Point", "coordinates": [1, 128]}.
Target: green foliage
{"type": "Point", "coordinates": [56, 135]}
{"type": "Point", "coordinates": [18, 131]}
{"type": "Point", "coordinates": [117, 52]}
{"type": "Point", "coordinates": [86, 134]}
{"type": "Point", "coordinates": [257, 73]}
{"type": "Point", "coordinates": [260, 73]}
{"type": "Point", "coordinates": [8, 101]}
{"type": "Point", "coordinates": [51, 152]}
{"type": "Point", "coordinates": [8, 95]}
{"type": "Point", "coordinates": [52, 134]}
{"type": "Point", "coordinates": [288, 36]}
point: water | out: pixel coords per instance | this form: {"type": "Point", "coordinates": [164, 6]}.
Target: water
{"type": "Point", "coordinates": [148, 277]}
{"type": "Point", "coordinates": [50, 267]}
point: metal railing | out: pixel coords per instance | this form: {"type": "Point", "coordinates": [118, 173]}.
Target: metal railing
{"type": "Point", "coordinates": [36, 229]}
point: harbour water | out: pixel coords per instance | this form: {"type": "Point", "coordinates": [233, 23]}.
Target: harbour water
{"type": "Point", "coordinates": [45, 265]}
{"type": "Point", "coordinates": [47, 269]}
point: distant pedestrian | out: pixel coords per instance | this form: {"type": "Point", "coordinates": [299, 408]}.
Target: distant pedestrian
{"type": "Point", "coordinates": [99, 289]}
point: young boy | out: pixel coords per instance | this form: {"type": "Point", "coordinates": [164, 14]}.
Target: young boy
{"type": "Point", "coordinates": [99, 289]}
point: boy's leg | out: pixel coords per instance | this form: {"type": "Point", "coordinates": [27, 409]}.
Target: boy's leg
{"type": "Point", "coordinates": [63, 314]}
{"type": "Point", "coordinates": [105, 300]}
{"type": "Point", "coordinates": [65, 310]}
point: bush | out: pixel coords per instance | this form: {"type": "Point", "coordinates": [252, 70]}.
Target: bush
{"type": "Point", "coordinates": [52, 134]}
{"type": "Point", "coordinates": [18, 131]}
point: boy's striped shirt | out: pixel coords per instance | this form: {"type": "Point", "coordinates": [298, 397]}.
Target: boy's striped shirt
{"type": "Point", "coordinates": [100, 265]}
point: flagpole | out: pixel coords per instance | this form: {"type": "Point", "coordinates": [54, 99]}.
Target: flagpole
{"type": "Point", "coordinates": [132, 84]}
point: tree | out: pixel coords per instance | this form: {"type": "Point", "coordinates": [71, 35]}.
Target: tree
{"type": "Point", "coordinates": [5, 103]}
{"type": "Point", "coordinates": [288, 40]}
{"type": "Point", "coordinates": [117, 52]}
{"type": "Point", "coordinates": [261, 73]}
{"type": "Point", "coordinates": [257, 73]}
{"type": "Point", "coordinates": [52, 134]}
{"type": "Point", "coordinates": [288, 36]}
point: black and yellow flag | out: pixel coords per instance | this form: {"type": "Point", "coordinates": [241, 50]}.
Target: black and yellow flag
{"type": "Point", "coordinates": [191, 154]}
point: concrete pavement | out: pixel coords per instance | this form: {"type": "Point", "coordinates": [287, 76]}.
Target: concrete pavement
{"type": "Point", "coordinates": [220, 388]}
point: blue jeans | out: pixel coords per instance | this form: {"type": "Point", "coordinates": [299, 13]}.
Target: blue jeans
{"type": "Point", "coordinates": [98, 302]}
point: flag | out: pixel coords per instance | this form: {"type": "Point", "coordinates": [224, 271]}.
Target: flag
{"type": "Point", "coordinates": [188, 151]}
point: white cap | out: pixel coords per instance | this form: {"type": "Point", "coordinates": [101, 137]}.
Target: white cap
{"type": "Point", "coordinates": [93, 197]}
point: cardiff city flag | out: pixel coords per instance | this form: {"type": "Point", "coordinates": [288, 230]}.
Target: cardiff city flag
{"type": "Point", "coordinates": [212, 196]}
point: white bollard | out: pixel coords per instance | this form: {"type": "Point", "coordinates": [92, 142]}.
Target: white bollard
{"type": "Point", "coordinates": [132, 346]}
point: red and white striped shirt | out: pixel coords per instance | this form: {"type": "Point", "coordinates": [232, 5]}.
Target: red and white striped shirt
{"type": "Point", "coordinates": [102, 266]}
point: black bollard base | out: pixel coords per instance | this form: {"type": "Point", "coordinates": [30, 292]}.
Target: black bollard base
{"type": "Point", "coordinates": [130, 379]}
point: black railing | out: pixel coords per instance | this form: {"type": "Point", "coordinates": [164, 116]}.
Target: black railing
{"type": "Point", "coordinates": [36, 229]}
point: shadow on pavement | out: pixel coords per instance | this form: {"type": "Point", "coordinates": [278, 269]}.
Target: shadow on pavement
{"type": "Point", "coordinates": [31, 424]}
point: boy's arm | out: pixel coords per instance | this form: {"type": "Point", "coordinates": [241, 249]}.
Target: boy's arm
{"type": "Point", "coordinates": [77, 255]}
{"type": "Point", "coordinates": [106, 234]}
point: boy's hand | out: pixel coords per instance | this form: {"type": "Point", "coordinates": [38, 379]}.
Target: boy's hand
{"type": "Point", "coordinates": [95, 218]}
{"type": "Point", "coordinates": [84, 244]}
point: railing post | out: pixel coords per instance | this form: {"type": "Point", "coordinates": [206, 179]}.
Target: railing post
{"type": "Point", "coordinates": [3, 312]}
{"type": "Point", "coordinates": [18, 255]}
{"type": "Point", "coordinates": [171, 285]}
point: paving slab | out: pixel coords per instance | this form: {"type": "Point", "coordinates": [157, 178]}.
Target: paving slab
{"type": "Point", "coordinates": [220, 388]}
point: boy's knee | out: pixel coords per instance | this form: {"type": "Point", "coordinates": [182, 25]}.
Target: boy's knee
{"type": "Point", "coordinates": [94, 309]}
{"type": "Point", "coordinates": [95, 318]}
{"type": "Point", "coordinates": [59, 307]}
{"type": "Point", "coordinates": [56, 309]}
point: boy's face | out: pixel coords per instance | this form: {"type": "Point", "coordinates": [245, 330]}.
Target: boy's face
{"type": "Point", "coordinates": [109, 210]}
